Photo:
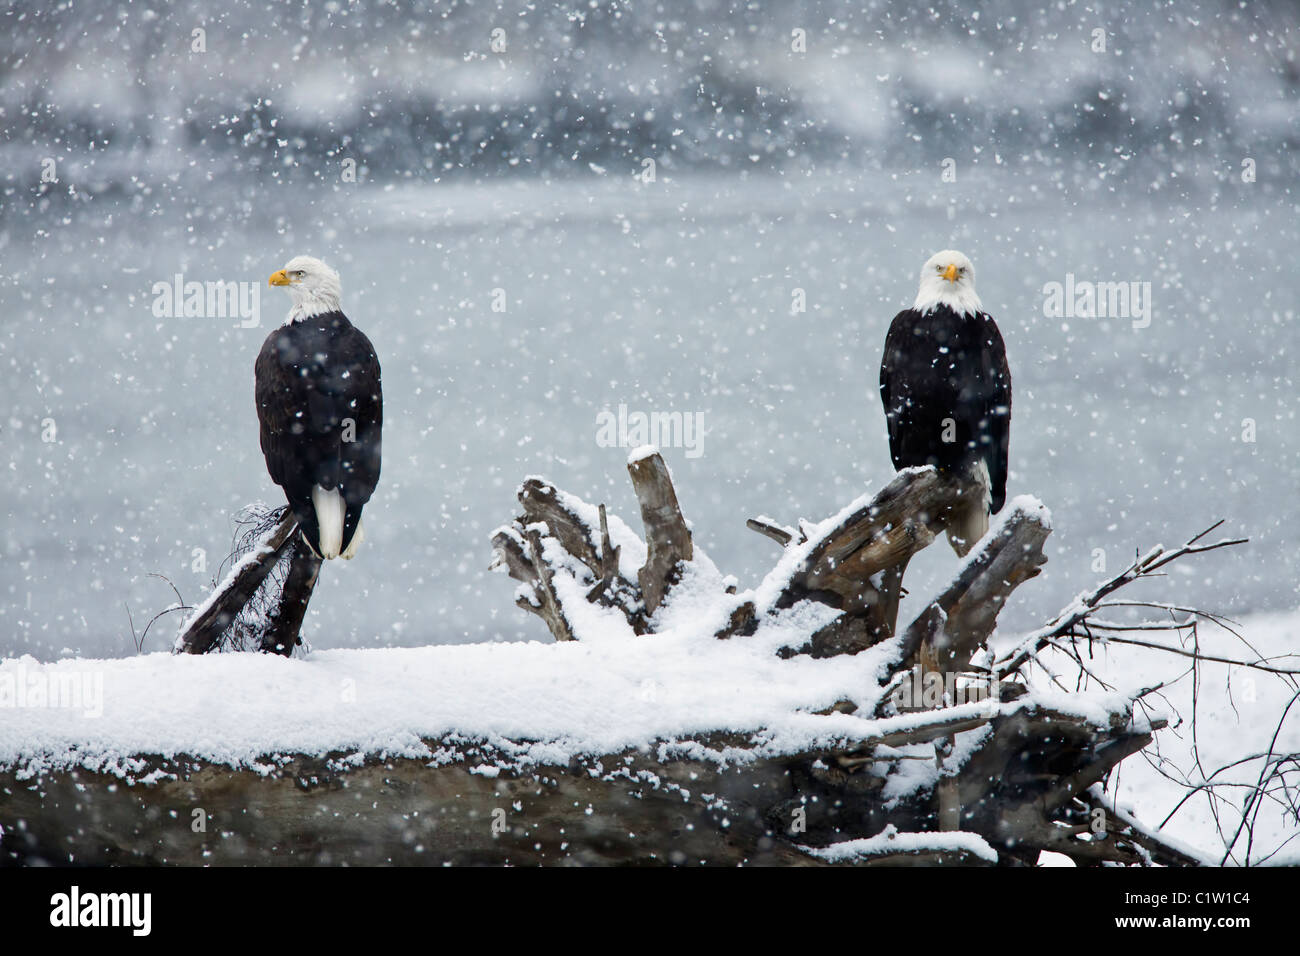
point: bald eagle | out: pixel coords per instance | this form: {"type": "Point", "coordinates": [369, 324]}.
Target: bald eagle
{"type": "Point", "coordinates": [946, 389]}
{"type": "Point", "coordinates": [321, 410]}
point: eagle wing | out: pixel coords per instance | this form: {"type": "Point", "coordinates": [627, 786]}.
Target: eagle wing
{"type": "Point", "coordinates": [908, 387]}
{"type": "Point", "coordinates": [320, 411]}
{"type": "Point", "coordinates": [279, 407]}
{"type": "Point", "coordinates": [889, 366]}
{"type": "Point", "coordinates": [997, 375]}
{"type": "Point", "coordinates": [361, 400]}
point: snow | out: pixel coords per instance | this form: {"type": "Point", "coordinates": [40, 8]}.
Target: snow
{"type": "Point", "coordinates": [1236, 710]}
{"type": "Point", "coordinates": [890, 840]}
{"type": "Point", "coordinates": [558, 700]}
{"type": "Point", "coordinates": [133, 440]}
{"type": "Point", "coordinates": [671, 296]}
{"type": "Point", "coordinates": [532, 704]}
{"type": "Point", "coordinates": [536, 701]}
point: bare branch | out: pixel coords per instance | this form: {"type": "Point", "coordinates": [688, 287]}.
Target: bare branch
{"type": "Point", "coordinates": [778, 534]}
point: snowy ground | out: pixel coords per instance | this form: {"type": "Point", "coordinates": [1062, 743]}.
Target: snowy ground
{"type": "Point", "coordinates": [1234, 716]}
{"type": "Point", "coordinates": [545, 702]}
{"type": "Point", "coordinates": [669, 297]}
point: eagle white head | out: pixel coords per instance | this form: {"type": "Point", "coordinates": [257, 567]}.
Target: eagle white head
{"type": "Point", "coordinates": [315, 287]}
{"type": "Point", "coordinates": [947, 278]}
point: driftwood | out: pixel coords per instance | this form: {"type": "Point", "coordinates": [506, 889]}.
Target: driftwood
{"type": "Point", "coordinates": [856, 566]}
{"type": "Point", "coordinates": [1007, 774]}
{"type": "Point", "coordinates": [205, 629]}
{"type": "Point", "coordinates": [202, 631]}
{"type": "Point", "coordinates": [304, 568]}
{"type": "Point", "coordinates": [668, 542]}
{"type": "Point", "coordinates": [959, 621]}
{"type": "Point", "coordinates": [520, 549]}
{"type": "Point", "coordinates": [1027, 783]}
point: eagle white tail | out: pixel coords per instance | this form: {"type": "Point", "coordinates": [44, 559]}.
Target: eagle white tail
{"type": "Point", "coordinates": [967, 527]}
{"type": "Point", "coordinates": [357, 537]}
{"type": "Point", "coordinates": [330, 511]}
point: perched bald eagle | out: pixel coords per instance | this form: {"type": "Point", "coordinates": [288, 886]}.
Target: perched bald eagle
{"type": "Point", "coordinates": [321, 410]}
{"type": "Point", "coordinates": [946, 388]}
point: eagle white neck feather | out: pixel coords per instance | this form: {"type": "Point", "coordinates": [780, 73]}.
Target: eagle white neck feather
{"type": "Point", "coordinates": [318, 291]}
{"type": "Point", "coordinates": [961, 301]}
{"type": "Point", "coordinates": [934, 291]}
{"type": "Point", "coordinates": [309, 306]}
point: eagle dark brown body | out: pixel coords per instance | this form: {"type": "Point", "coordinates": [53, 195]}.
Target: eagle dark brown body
{"type": "Point", "coordinates": [320, 405]}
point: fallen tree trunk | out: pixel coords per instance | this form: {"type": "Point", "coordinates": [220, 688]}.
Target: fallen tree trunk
{"type": "Point", "coordinates": [396, 812]}
{"type": "Point", "coordinates": [940, 753]}
{"type": "Point", "coordinates": [650, 806]}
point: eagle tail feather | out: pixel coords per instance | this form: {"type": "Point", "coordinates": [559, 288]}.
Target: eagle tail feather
{"type": "Point", "coordinates": [968, 526]}
{"type": "Point", "coordinates": [357, 537]}
{"type": "Point", "coordinates": [330, 509]}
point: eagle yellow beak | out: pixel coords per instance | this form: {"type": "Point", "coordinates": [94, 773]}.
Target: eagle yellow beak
{"type": "Point", "coordinates": [950, 273]}
{"type": "Point", "coordinates": [282, 278]}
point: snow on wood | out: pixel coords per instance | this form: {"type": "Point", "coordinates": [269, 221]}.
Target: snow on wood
{"type": "Point", "coordinates": [788, 723]}
{"type": "Point", "coordinates": [916, 848]}
{"type": "Point", "coordinates": [276, 615]}
{"type": "Point", "coordinates": [204, 627]}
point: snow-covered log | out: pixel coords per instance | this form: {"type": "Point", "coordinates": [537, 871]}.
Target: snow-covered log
{"type": "Point", "coordinates": [787, 723]}
{"type": "Point", "coordinates": [580, 769]}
